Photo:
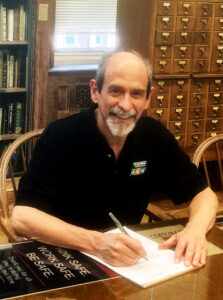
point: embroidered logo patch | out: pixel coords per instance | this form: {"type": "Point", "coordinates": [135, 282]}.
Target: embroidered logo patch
{"type": "Point", "coordinates": [138, 168]}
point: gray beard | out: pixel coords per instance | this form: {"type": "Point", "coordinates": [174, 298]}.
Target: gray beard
{"type": "Point", "coordinates": [120, 129]}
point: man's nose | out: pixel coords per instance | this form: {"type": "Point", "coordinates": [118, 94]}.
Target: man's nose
{"type": "Point", "coordinates": [125, 102]}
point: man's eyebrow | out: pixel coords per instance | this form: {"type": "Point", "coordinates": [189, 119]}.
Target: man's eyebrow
{"type": "Point", "coordinates": [140, 90]}
{"type": "Point", "coordinates": [116, 86]}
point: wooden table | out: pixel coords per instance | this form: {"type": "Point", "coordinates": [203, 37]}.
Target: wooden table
{"type": "Point", "coordinates": [201, 284]}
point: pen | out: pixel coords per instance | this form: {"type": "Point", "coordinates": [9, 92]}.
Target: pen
{"type": "Point", "coordinates": [120, 227]}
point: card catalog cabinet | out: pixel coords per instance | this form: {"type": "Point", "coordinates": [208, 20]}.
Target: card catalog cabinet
{"type": "Point", "coordinates": [187, 62]}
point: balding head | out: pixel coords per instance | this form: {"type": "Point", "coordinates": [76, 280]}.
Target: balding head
{"type": "Point", "coordinates": [120, 57]}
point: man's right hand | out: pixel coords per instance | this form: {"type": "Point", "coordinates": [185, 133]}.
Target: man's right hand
{"type": "Point", "coordinates": [119, 249]}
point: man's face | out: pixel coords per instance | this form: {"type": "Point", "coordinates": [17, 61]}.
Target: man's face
{"type": "Point", "coordinates": [123, 96]}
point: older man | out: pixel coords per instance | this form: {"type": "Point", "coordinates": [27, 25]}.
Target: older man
{"type": "Point", "coordinates": [111, 159]}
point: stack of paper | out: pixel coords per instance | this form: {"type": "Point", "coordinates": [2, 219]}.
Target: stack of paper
{"type": "Point", "coordinates": [160, 265]}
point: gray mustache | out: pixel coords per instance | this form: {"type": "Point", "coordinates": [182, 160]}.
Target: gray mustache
{"type": "Point", "coordinates": [120, 113]}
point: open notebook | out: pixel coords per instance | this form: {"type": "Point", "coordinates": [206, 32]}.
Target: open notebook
{"type": "Point", "coordinates": [159, 266]}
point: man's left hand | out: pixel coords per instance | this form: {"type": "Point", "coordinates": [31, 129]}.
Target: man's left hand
{"type": "Point", "coordinates": [191, 244]}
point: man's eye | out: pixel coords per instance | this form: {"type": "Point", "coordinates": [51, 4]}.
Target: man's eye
{"type": "Point", "coordinates": [138, 94]}
{"type": "Point", "coordinates": [115, 92]}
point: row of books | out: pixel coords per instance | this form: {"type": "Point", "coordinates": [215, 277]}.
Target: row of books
{"type": "Point", "coordinates": [13, 23]}
{"type": "Point", "coordinates": [13, 69]}
{"type": "Point", "coordinates": [11, 117]}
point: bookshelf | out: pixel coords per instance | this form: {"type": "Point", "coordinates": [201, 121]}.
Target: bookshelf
{"type": "Point", "coordinates": [16, 68]}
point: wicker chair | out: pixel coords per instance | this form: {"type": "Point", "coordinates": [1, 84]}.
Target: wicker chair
{"type": "Point", "coordinates": [22, 147]}
{"type": "Point", "coordinates": [164, 209]}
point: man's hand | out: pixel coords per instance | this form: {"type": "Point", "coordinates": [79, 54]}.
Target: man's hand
{"type": "Point", "coordinates": [119, 249]}
{"type": "Point", "coordinates": [190, 243]}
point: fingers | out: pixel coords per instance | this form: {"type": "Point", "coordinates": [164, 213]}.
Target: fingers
{"type": "Point", "coordinates": [196, 254]}
{"type": "Point", "coordinates": [191, 247]}
{"type": "Point", "coordinates": [135, 245]}
{"type": "Point", "coordinates": [120, 250]}
{"type": "Point", "coordinates": [169, 243]}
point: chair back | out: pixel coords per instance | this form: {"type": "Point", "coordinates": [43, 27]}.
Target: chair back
{"type": "Point", "coordinates": [209, 156]}
{"type": "Point", "coordinates": [214, 145]}
{"type": "Point", "coordinates": [21, 151]}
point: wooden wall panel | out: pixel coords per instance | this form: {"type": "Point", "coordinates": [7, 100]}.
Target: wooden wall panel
{"type": "Point", "coordinates": [43, 49]}
{"type": "Point", "coordinates": [135, 25]}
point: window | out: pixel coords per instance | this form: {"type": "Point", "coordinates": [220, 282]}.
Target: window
{"type": "Point", "coordinates": [84, 30]}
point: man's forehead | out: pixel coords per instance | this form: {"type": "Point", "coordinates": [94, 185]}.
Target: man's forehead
{"type": "Point", "coordinates": [125, 58]}
{"type": "Point", "coordinates": [127, 66]}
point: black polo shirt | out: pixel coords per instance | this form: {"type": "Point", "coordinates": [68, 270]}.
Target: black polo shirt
{"type": "Point", "coordinates": [74, 174]}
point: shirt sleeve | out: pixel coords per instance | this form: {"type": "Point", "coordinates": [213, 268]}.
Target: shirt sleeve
{"type": "Point", "coordinates": [175, 175]}
{"type": "Point", "coordinates": [37, 186]}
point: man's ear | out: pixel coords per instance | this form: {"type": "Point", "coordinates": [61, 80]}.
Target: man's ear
{"type": "Point", "coordinates": [149, 98]}
{"type": "Point", "coordinates": [94, 91]}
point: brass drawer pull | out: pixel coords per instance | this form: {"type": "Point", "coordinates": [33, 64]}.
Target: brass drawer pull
{"type": "Point", "coordinates": [203, 36]}
{"type": "Point", "coordinates": [183, 50]}
{"type": "Point", "coordinates": [195, 138]}
{"type": "Point", "coordinates": [178, 126]}
{"type": "Point", "coordinates": [201, 64]}
{"type": "Point", "coordinates": [199, 84]}
{"type": "Point", "coordinates": [179, 99]}
{"type": "Point", "coordinates": [163, 49]}
{"type": "Point", "coordinates": [215, 110]}
{"type": "Point", "coordinates": [205, 9]}
{"type": "Point", "coordinates": [220, 50]}
{"type": "Point", "coordinates": [219, 62]}
{"type": "Point", "coordinates": [160, 100]}
{"type": "Point", "coordinates": [166, 5]}
{"type": "Point", "coordinates": [166, 21]}
{"type": "Point", "coordinates": [217, 97]}
{"type": "Point", "coordinates": [202, 50]}
{"type": "Point", "coordinates": [197, 112]}
{"type": "Point", "coordinates": [220, 34]}
{"type": "Point", "coordinates": [182, 64]}
{"type": "Point", "coordinates": [218, 84]}
{"type": "Point", "coordinates": [165, 36]}
{"type": "Point", "coordinates": [214, 124]}
{"type": "Point", "coordinates": [159, 113]}
{"type": "Point", "coordinates": [161, 85]}
{"type": "Point", "coordinates": [162, 63]}
{"type": "Point", "coordinates": [178, 138]}
{"type": "Point", "coordinates": [196, 125]}
{"type": "Point", "coordinates": [214, 134]}
{"type": "Point", "coordinates": [186, 7]}
{"type": "Point", "coordinates": [204, 22]}
{"type": "Point", "coordinates": [178, 112]}
{"type": "Point", "coordinates": [197, 98]}
{"type": "Point", "coordinates": [185, 22]}
{"type": "Point", "coordinates": [180, 83]}
{"type": "Point", "coordinates": [184, 36]}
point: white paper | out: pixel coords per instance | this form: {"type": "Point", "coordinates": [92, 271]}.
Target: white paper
{"type": "Point", "coordinates": [160, 263]}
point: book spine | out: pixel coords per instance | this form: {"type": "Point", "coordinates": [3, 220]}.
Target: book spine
{"type": "Point", "coordinates": [16, 24]}
{"type": "Point", "coordinates": [1, 67]}
{"type": "Point", "coordinates": [4, 23]}
{"type": "Point", "coordinates": [7, 62]}
{"type": "Point", "coordinates": [10, 24]}
{"type": "Point", "coordinates": [16, 73]}
{"type": "Point", "coordinates": [4, 119]}
{"type": "Point", "coordinates": [4, 71]}
{"type": "Point", "coordinates": [11, 71]}
{"type": "Point", "coordinates": [1, 109]}
{"type": "Point", "coordinates": [18, 117]}
{"type": "Point", "coordinates": [10, 118]}
{"type": "Point", "coordinates": [21, 23]}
